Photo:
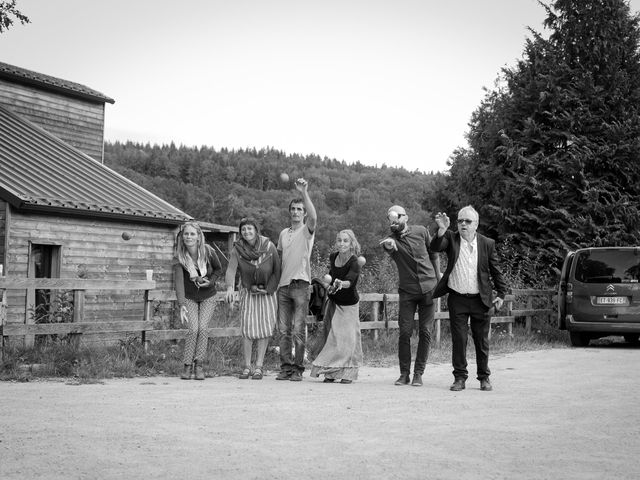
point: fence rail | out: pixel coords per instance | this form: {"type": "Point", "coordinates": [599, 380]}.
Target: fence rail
{"type": "Point", "coordinates": [379, 319]}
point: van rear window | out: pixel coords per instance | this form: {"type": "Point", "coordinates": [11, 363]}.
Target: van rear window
{"type": "Point", "coordinates": [608, 266]}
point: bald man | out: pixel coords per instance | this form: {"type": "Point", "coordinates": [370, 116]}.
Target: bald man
{"type": "Point", "coordinates": [418, 273]}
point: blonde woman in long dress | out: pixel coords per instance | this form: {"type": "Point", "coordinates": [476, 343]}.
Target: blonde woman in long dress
{"type": "Point", "coordinates": [341, 355]}
{"type": "Point", "coordinates": [258, 262]}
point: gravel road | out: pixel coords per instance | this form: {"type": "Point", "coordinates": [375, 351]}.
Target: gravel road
{"type": "Point", "coordinates": [562, 413]}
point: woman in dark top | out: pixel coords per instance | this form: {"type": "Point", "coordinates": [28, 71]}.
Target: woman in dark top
{"type": "Point", "coordinates": [342, 353]}
{"type": "Point", "coordinates": [258, 261]}
{"type": "Point", "coordinates": [195, 266]}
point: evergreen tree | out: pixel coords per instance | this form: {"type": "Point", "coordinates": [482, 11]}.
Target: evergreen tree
{"type": "Point", "coordinates": [554, 151]}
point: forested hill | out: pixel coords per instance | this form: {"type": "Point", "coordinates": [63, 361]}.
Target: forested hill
{"type": "Point", "coordinates": [224, 186]}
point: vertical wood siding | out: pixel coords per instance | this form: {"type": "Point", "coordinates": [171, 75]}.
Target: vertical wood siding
{"type": "Point", "coordinates": [78, 122]}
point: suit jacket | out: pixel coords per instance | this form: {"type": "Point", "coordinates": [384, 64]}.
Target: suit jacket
{"type": "Point", "coordinates": [488, 266]}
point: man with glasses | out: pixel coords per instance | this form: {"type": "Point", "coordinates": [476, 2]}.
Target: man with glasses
{"type": "Point", "coordinates": [472, 263]}
{"type": "Point", "coordinates": [418, 272]}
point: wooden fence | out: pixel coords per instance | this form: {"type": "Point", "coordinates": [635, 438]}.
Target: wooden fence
{"type": "Point", "coordinates": [378, 317]}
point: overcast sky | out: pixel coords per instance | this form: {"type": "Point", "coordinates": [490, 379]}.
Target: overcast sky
{"type": "Point", "coordinates": [374, 81]}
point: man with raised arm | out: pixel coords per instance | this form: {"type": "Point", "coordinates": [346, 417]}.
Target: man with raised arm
{"type": "Point", "coordinates": [472, 263]}
{"type": "Point", "coordinates": [294, 246]}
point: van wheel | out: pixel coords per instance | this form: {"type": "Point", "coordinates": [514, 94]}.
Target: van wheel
{"type": "Point", "coordinates": [631, 338]}
{"type": "Point", "coordinates": [579, 339]}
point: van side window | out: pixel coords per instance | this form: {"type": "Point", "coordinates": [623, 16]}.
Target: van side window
{"type": "Point", "coordinates": [608, 266]}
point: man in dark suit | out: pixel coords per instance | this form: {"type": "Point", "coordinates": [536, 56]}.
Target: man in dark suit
{"type": "Point", "coordinates": [472, 262]}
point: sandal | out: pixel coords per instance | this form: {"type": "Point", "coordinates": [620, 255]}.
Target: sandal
{"type": "Point", "coordinates": [257, 374]}
{"type": "Point", "coordinates": [245, 374]}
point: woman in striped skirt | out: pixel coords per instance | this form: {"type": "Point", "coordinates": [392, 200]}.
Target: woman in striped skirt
{"type": "Point", "coordinates": [256, 259]}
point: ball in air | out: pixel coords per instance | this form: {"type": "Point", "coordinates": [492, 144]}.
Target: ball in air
{"type": "Point", "coordinates": [361, 261]}
{"type": "Point", "coordinates": [327, 278]}
{"type": "Point", "coordinates": [393, 216]}
{"type": "Point", "coordinates": [284, 177]}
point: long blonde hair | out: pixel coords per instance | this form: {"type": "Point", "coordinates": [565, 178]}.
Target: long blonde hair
{"type": "Point", "coordinates": [355, 246]}
{"type": "Point", "coordinates": [181, 252]}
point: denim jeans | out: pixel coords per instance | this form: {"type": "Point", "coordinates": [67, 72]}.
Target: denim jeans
{"type": "Point", "coordinates": [464, 310]}
{"type": "Point", "coordinates": [293, 306]}
{"type": "Point", "coordinates": [408, 304]}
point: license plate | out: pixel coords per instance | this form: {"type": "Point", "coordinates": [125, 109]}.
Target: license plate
{"type": "Point", "coordinates": [611, 300]}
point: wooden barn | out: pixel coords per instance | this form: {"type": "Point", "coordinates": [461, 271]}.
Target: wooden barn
{"type": "Point", "coordinates": [63, 214]}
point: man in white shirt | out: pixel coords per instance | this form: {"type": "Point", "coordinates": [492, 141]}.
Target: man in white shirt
{"type": "Point", "coordinates": [472, 264]}
{"type": "Point", "coordinates": [294, 246]}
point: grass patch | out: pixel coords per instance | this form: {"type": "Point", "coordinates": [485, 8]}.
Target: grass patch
{"type": "Point", "coordinates": [128, 358]}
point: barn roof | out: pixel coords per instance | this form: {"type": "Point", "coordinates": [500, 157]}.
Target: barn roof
{"type": "Point", "coordinates": [38, 171]}
{"type": "Point", "coordinates": [47, 82]}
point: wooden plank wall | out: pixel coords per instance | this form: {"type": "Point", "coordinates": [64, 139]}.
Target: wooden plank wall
{"type": "Point", "coordinates": [94, 249]}
{"type": "Point", "coordinates": [78, 122]}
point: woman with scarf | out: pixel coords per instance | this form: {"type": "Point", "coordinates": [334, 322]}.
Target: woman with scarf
{"type": "Point", "coordinates": [195, 265]}
{"type": "Point", "coordinates": [341, 355]}
{"type": "Point", "coordinates": [258, 262]}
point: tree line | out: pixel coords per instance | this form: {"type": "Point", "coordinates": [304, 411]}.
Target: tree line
{"type": "Point", "coordinates": [552, 161]}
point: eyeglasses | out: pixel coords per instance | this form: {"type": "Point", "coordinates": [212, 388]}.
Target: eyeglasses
{"type": "Point", "coordinates": [464, 220]}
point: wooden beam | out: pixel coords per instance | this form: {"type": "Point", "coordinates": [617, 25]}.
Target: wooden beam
{"type": "Point", "coordinates": [21, 283]}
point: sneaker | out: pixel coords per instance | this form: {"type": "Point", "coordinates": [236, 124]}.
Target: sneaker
{"type": "Point", "coordinates": [283, 375]}
{"type": "Point", "coordinates": [403, 379]}
{"type": "Point", "coordinates": [296, 376]}
{"type": "Point", "coordinates": [485, 385]}
{"type": "Point", "coordinates": [417, 380]}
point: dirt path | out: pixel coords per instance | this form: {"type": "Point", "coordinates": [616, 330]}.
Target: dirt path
{"type": "Point", "coordinates": [571, 413]}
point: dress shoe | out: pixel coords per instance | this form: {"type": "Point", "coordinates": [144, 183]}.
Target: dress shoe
{"type": "Point", "coordinates": [417, 380]}
{"type": "Point", "coordinates": [485, 385]}
{"type": "Point", "coordinates": [296, 377]}
{"type": "Point", "coordinates": [344, 380]}
{"type": "Point", "coordinates": [403, 379]}
{"type": "Point", "coordinates": [329, 380]}
{"type": "Point", "coordinates": [457, 385]}
{"type": "Point", "coordinates": [186, 373]}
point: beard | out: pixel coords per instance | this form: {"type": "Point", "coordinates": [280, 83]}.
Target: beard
{"type": "Point", "coordinates": [397, 227]}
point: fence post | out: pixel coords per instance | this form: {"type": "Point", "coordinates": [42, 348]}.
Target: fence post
{"type": "Point", "coordinates": [78, 314]}
{"type": "Point", "coordinates": [375, 306]}
{"type": "Point", "coordinates": [438, 310]}
{"type": "Point", "coordinates": [146, 316]}
{"type": "Point", "coordinates": [509, 314]}
{"type": "Point", "coordinates": [527, 319]}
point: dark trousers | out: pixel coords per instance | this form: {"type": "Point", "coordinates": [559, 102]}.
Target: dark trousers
{"type": "Point", "coordinates": [408, 304]}
{"type": "Point", "coordinates": [461, 309]}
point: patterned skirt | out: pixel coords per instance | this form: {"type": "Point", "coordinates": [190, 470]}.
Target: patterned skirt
{"type": "Point", "coordinates": [258, 314]}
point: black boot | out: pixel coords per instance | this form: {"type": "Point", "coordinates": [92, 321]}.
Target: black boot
{"type": "Point", "coordinates": [186, 373]}
{"type": "Point", "coordinates": [199, 371]}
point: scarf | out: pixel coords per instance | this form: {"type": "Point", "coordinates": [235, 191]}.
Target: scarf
{"type": "Point", "coordinates": [249, 252]}
{"type": "Point", "coordinates": [193, 268]}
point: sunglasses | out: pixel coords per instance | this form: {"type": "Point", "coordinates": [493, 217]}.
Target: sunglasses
{"type": "Point", "coordinates": [464, 220]}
